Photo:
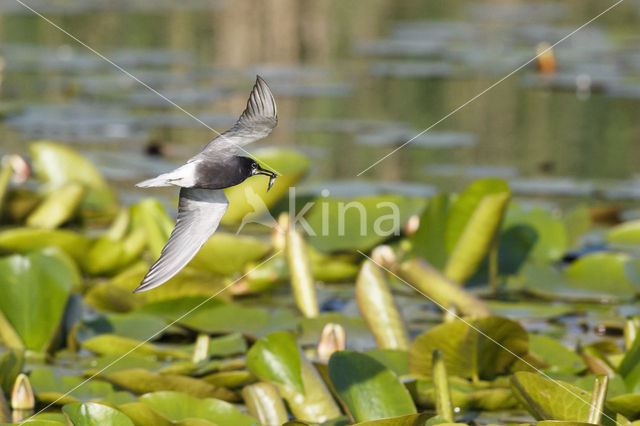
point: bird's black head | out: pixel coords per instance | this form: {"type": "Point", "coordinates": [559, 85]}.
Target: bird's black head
{"type": "Point", "coordinates": [250, 167]}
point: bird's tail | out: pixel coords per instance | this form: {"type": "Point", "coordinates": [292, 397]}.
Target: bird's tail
{"type": "Point", "coordinates": [156, 181]}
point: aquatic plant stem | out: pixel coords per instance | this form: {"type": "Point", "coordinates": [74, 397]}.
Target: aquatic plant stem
{"type": "Point", "coordinates": [597, 399]}
{"type": "Point", "coordinates": [444, 406]}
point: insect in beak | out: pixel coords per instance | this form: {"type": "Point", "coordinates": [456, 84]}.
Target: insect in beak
{"type": "Point", "coordinates": [272, 176]}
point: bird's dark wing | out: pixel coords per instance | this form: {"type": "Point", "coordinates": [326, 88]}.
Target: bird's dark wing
{"type": "Point", "coordinates": [256, 122]}
{"type": "Point", "coordinates": [199, 213]}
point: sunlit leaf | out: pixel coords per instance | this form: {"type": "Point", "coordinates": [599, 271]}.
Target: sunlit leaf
{"type": "Point", "coordinates": [92, 414]}
{"type": "Point", "coordinates": [474, 349]}
{"type": "Point", "coordinates": [34, 292]}
{"type": "Point", "coordinates": [368, 389]}
{"type": "Point", "coordinates": [429, 240]}
{"type": "Point", "coordinates": [276, 358]}
{"type": "Point", "coordinates": [24, 240]}
{"type": "Point", "coordinates": [58, 207]}
{"type": "Point", "coordinates": [551, 400]}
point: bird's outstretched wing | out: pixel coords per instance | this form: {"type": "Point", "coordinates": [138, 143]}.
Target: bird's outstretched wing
{"type": "Point", "coordinates": [199, 213]}
{"type": "Point", "coordinates": [256, 122]}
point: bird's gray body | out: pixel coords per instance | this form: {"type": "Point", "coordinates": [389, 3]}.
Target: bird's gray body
{"type": "Point", "coordinates": [202, 201]}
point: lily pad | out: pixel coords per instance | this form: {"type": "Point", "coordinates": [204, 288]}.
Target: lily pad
{"type": "Point", "coordinates": [472, 223]}
{"type": "Point", "coordinates": [111, 344]}
{"type": "Point", "coordinates": [135, 326]}
{"type": "Point", "coordinates": [408, 420]}
{"type": "Point", "coordinates": [34, 289]}
{"type": "Point", "coordinates": [49, 386]}
{"type": "Point", "coordinates": [551, 400]}
{"type": "Point", "coordinates": [367, 388]}
{"type": "Point", "coordinates": [276, 358]}
{"type": "Point", "coordinates": [628, 405]}
{"type": "Point", "coordinates": [627, 233]}
{"type": "Point", "coordinates": [142, 415]}
{"type": "Point", "coordinates": [551, 240]}
{"type": "Point", "coordinates": [92, 414]}
{"type": "Point", "coordinates": [24, 240]}
{"type": "Point", "coordinates": [179, 406]}
{"type": "Point", "coordinates": [140, 381]}
{"type": "Point", "coordinates": [429, 240]}
{"type": "Point", "coordinates": [225, 254]}
{"type": "Point", "coordinates": [57, 208]}
{"type": "Point", "coordinates": [467, 348]}
{"type": "Point", "coordinates": [360, 223]}
{"type": "Point", "coordinates": [554, 354]}
{"type": "Point", "coordinates": [250, 200]}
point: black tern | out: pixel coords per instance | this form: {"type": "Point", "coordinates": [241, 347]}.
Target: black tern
{"type": "Point", "coordinates": [202, 201]}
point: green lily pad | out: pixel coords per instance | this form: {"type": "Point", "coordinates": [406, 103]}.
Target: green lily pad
{"type": "Point", "coordinates": [142, 415]}
{"type": "Point", "coordinates": [58, 165]}
{"type": "Point", "coordinates": [429, 240]}
{"type": "Point", "coordinates": [551, 239]}
{"type": "Point", "coordinates": [57, 208]}
{"type": "Point", "coordinates": [149, 215]}
{"type": "Point", "coordinates": [358, 334]}
{"type": "Point", "coordinates": [92, 414]}
{"type": "Point", "coordinates": [472, 222]}
{"type": "Point", "coordinates": [367, 388]}
{"type": "Point", "coordinates": [485, 396]}
{"type": "Point", "coordinates": [24, 240]}
{"type": "Point", "coordinates": [226, 254]}
{"type": "Point", "coordinates": [276, 358]}
{"type": "Point", "coordinates": [250, 199]}
{"type": "Point", "coordinates": [553, 353]}
{"type": "Point", "coordinates": [395, 360]}
{"type": "Point", "coordinates": [602, 272]}
{"type": "Point", "coordinates": [49, 386]}
{"type": "Point", "coordinates": [231, 344]}
{"type": "Point", "coordinates": [627, 233]}
{"type": "Point", "coordinates": [551, 400]}
{"type": "Point", "coordinates": [467, 352]}
{"type": "Point", "coordinates": [135, 326]}
{"type": "Point", "coordinates": [408, 420]}
{"type": "Point", "coordinates": [112, 363]}
{"type": "Point", "coordinates": [111, 344]}
{"type": "Point", "coordinates": [34, 289]}
{"type": "Point", "coordinates": [628, 405]}
{"type": "Point", "coordinates": [140, 381]}
{"type": "Point", "coordinates": [179, 406]}
{"type": "Point", "coordinates": [11, 363]}
{"type": "Point", "coordinates": [358, 224]}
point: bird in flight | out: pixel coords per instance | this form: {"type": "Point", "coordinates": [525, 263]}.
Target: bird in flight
{"type": "Point", "coordinates": [201, 180]}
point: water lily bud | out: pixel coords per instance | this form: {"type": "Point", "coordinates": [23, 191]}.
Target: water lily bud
{"type": "Point", "coordinates": [21, 169]}
{"type": "Point", "coordinates": [201, 350]}
{"type": "Point", "coordinates": [333, 339]}
{"type": "Point", "coordinates": [412, 225]}
{"type": "Point", "coordinates": [384, 256]}
{"type": "Point", "coordinates": [22, 397]}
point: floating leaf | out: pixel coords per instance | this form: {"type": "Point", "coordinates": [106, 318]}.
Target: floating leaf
{"type": "Point", "coordinates": [140, 381]}
{"type": "Point", "coordinates": [551, 239]}
{"type": "Point", "coordinates": [225, 254]}
{"type": "Point", "coordinates": [468, 352]}
{"type": "Point", "coordinates": [429, 240]}
{"type": "Point", "coordinates": [50, 386]}
{"type": "Point", "coordinates": [179, 406]}
{"type": "Point", "coordinates": [149, 215]}
{"type": "Point", "coordinates": [58, 165]}
{"type": "Point", "coordinates": [24, 240]}
{"type": "Point", "coordinates": [250, 199]}
{"type": "Point", "coordinates": [551, 400]}
{"type": "Point", "coordinates": [142, 415]}
{"type": "Point", "coordinates": [34, 292]}
{"type": "Point", "coordinates": [395, 360]}
{"type": "Point", "coordinates": [302, 282]}
{"type": "Point", "coordinates": [628, 405]}
{"type": "Point", "coordinates": [360, 223]}
{"type": "Point", "coordinates": [367, 388]}
{"type": "Point", "coordinates": [408, 420]}
{"type": "Point", "coordinates": [57, 208]}
{"type": "Point", "coordinates": [627, 233]}
{"type": "Point", "coordinates": [135, 326]}
{"type": "Point", "coordinates": [111, 344]}
{"type": "Point", "coordinates": [11, 362]}
{"type": "Point", "coordinates": [553, 353]}
{"type": "Point", "coordinates": [276, 358]}
{"type": "Point", "coordinates": [92, 414]}
{"type": "Point", "coordinates": [472, 223]}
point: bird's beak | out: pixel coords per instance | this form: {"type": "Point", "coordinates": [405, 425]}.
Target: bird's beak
{"type": "Point", "coordinates": [272, 176]}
